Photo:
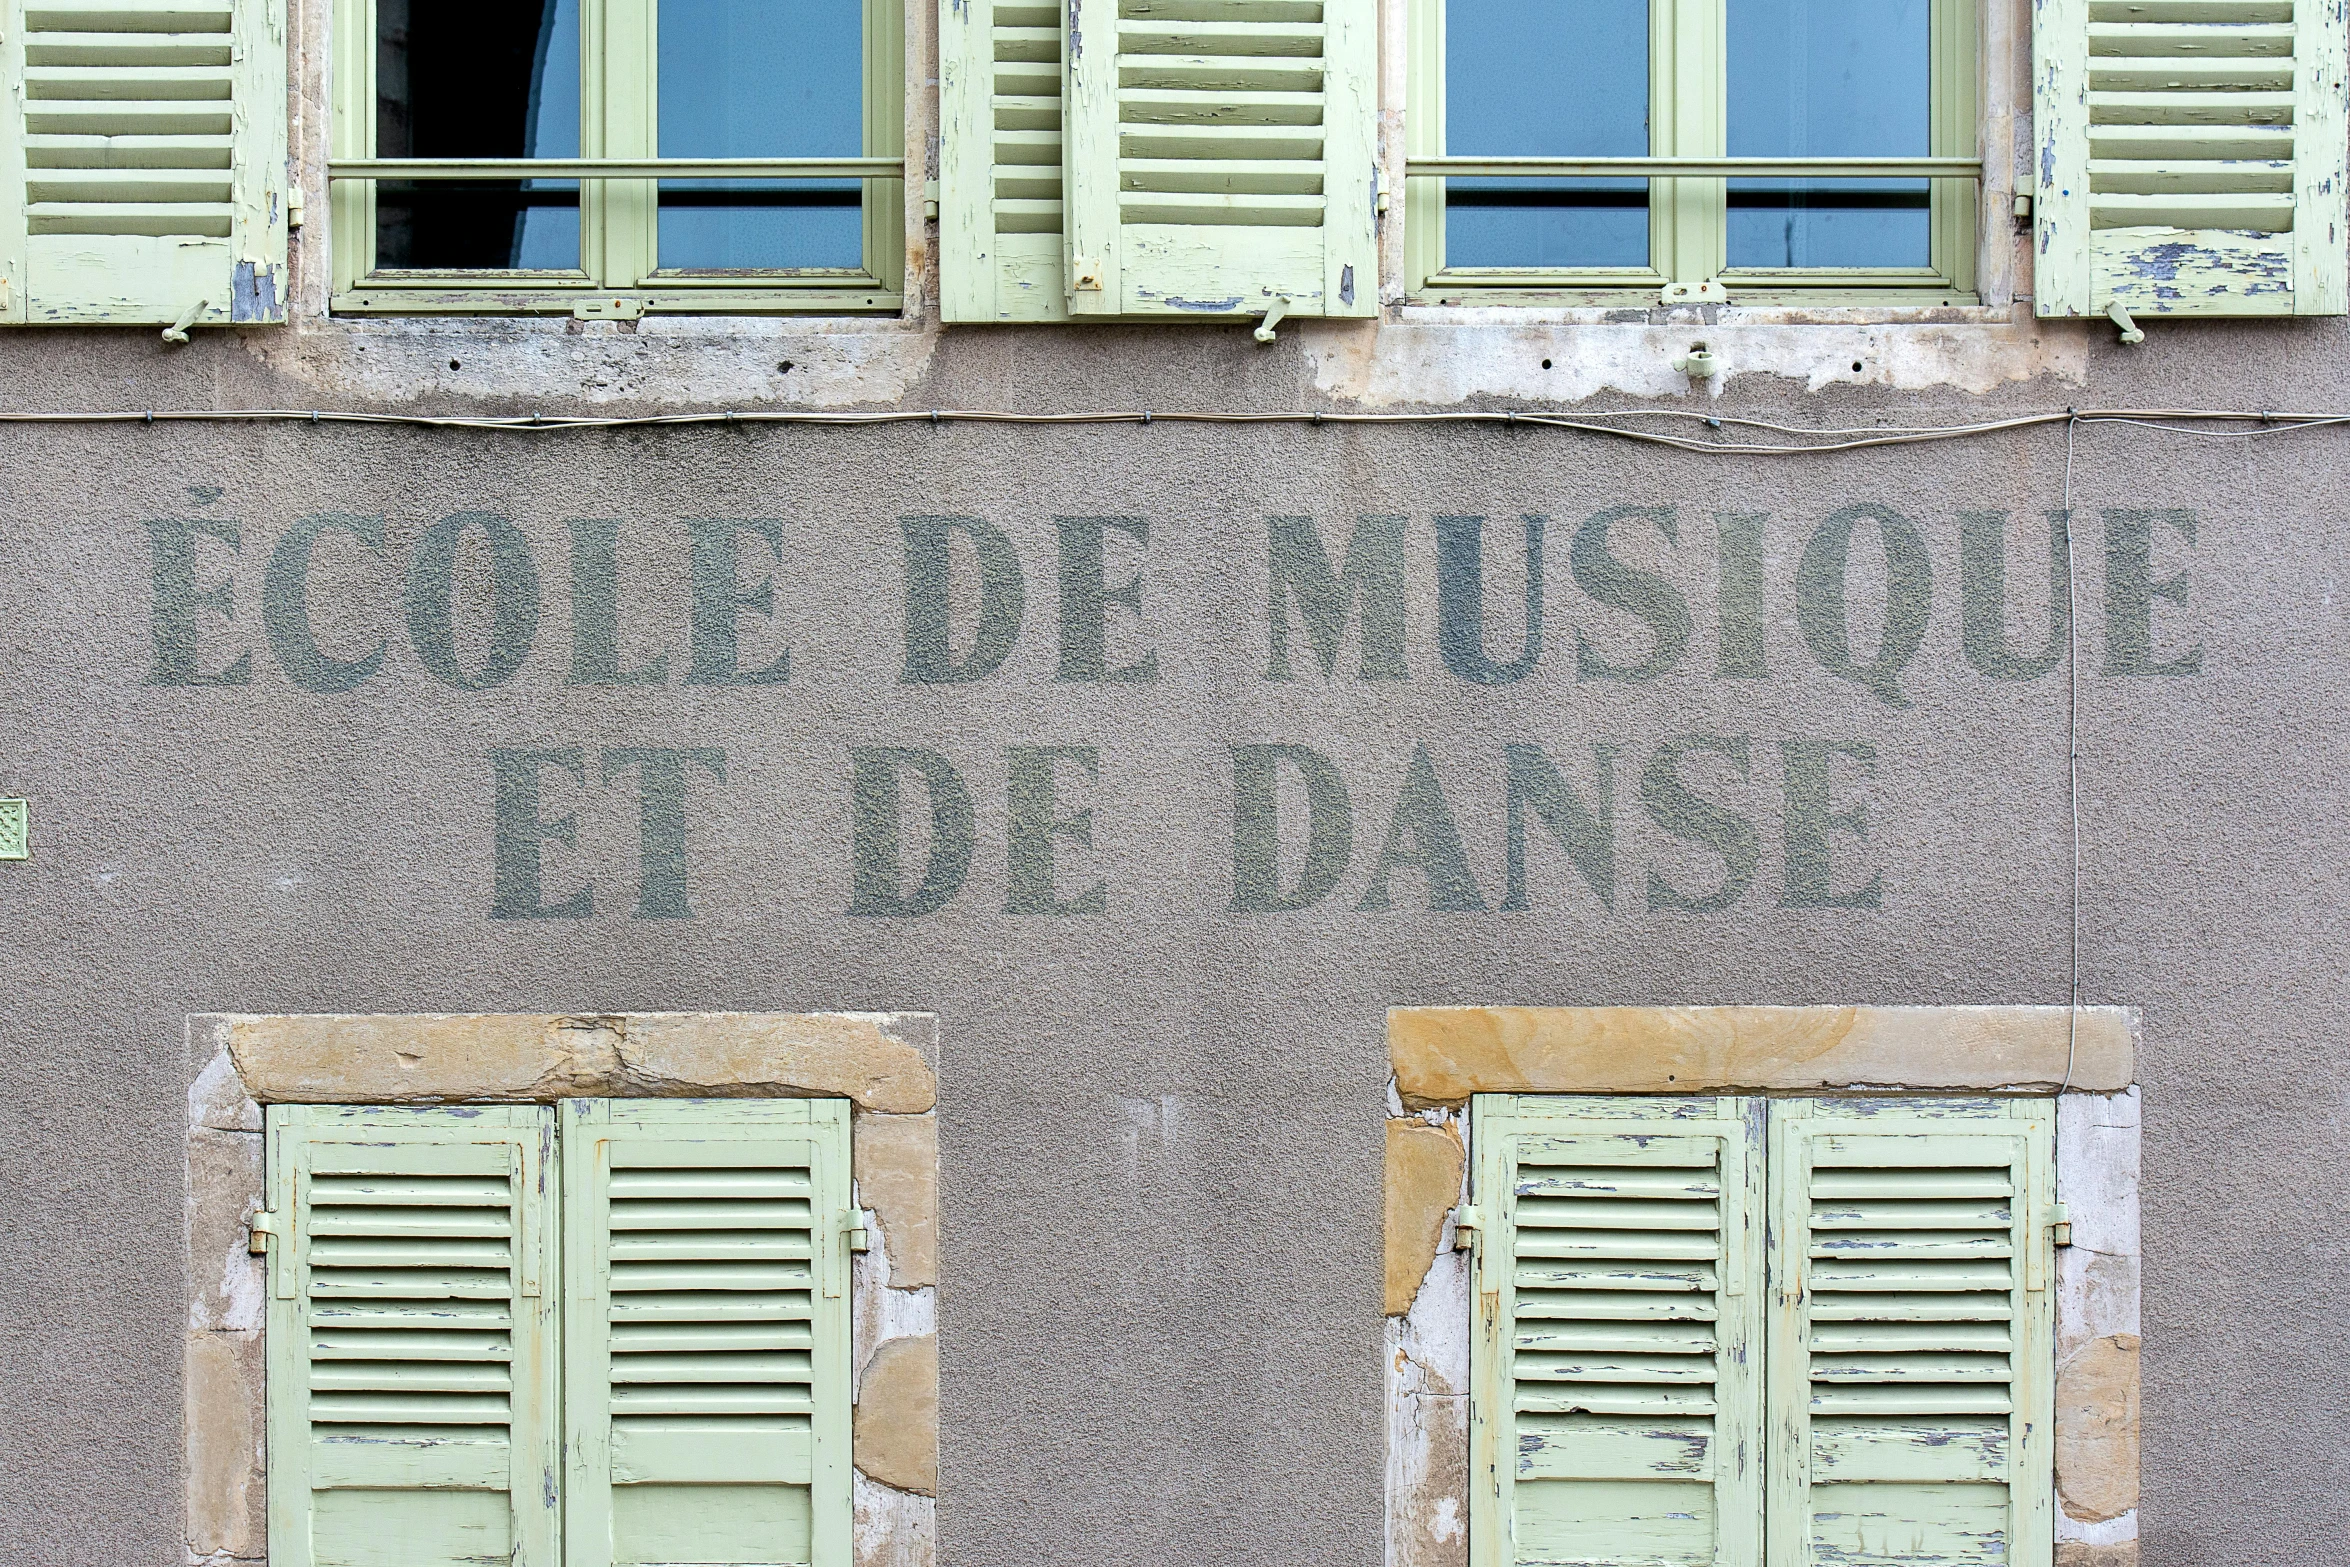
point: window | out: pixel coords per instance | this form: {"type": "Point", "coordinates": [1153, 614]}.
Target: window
{"type": "Point", "coordinates": [803, 88]}
{"type": "Point", "coordinates": [1496, 84]}
{"type": "Point", "coordinates": [1724, 1331]}
{"type": "Point", "coordinates": [605, 1333]}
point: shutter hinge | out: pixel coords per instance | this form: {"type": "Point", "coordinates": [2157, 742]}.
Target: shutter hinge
{"type": "Point", "coordinates": [293, 205]}
{"type": "Point", "coordinates": [259, 1229]}
{"type": "Point", "coordinates": [2060, 1224]}
{"type": "Point", "coordinates": [1465, 1220]}
{"type": "Point", "coordinates": [930, 200]}
{"type": "Point", "coordinates": [853, 1222]}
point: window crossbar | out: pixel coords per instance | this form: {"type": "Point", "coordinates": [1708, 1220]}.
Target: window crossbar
{"type": "Point", "coordinates": [616, 169]}
{"type": "Point", "coordinates": [1694, 168]}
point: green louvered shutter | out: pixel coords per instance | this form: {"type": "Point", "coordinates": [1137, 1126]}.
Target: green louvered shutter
{"type": "Point", "coordinates": [1617, 1363]}
{"type": "Point", "coordinates": [707, 1332]}
{"type": "Point", "coordinates": [412, 1382]}
{"type": "Point", "coordinates": [143, 161]}
{"type": "Point", "coordinates": [1911, 1348]}
{"type": "Point", "coordinates": [2191, 157]}
{"type": "Point", "coordinates": [1220, 157]}
{"type": "Point", "coordinates": [999, 160]}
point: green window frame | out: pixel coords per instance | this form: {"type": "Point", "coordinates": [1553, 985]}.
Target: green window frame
{"type": "Point", "coordinates": [1688, 91]}
{"type": "Point", "coordinates": [619, 276]}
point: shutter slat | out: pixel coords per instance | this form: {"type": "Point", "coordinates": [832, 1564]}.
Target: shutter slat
{"type": "Point", "coordinates": [1000, 162]}
{"type": "Point", "coordinates": [708, 1335]}
{"type": "Point", "coordinates": [1616, 1400]}
{"type": "Point", "coordinates": [1911, 1391]}
{"type": "Point", "coordinates": [397, 1413]}
{"type": "Point", "coordinates": [2191, 156]}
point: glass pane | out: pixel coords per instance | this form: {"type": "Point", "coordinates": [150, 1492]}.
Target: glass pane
{"type": "Point", "coordinates": [1829, 79]}
{"type": "Point", "coordinates": [762, 79]}
{"type": "Point", "coordinates": [1546, 78]}
{"type": "Point", "coordinates": [462, 79]}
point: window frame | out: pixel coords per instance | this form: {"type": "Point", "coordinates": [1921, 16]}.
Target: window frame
{"type": "Point", "coordinates": [1687, 216]}
{"type": "Point", "coordinates": [617, 277]}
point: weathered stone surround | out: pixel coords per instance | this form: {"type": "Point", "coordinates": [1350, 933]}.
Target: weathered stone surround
{"type": "Point", "coordinates": [1443, 1055]}
{"type": "Point", "coordinates": [884, 1063]}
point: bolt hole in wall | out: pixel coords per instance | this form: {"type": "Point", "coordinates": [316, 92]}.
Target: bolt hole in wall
{"type": "Point", "coordinates": [1856, 367]}
{"type": "Point", "coordinates": [785, 367]}
{"type": "Point", "coordinates": [1546, 364]}
{"type": "Point", "coordinates": [454, 365]}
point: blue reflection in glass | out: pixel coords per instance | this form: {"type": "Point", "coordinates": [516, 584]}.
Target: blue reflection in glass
{"type": "Point", "coordinates": [761, 79]}
{"type": "Point", "coordinates": [1829, 79]}
{"type": "Point", "coordinates": [456, 79]}
{"type": "Point", "coordinates": [1555, 78]}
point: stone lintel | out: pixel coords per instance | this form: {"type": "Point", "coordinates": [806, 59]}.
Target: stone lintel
{"type": "Point", "coordinates": [1443, 1055]}
{"type": "Point", "coordinates": [876, 1059]}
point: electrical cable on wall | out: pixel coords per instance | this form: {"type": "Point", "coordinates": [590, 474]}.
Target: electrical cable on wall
{"type": "Point", "coordinates": [1803, 441]}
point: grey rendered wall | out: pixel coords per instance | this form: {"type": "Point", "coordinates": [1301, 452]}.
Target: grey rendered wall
{"type": "Point", "coordinates": [1161, 1123]}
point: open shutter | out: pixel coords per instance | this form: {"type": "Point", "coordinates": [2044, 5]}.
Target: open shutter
{"type": "Point", "coordinates": [1618, 1357]}
{"type": "Point", "coordinates": [1912, 1368]}
{"type": "Point", "coordinates": [143, 162]}
{"type": "Point", "coordinates": [1220, 157]}
{"type": "Point", "coordinates": [412, 1388]}
{"type": "Point", "coordinates": [707, 1346]}
{"type": "Point", "coordinates": [1000, 160]}
{"type": "Point", "coordinates": [2191, 157]}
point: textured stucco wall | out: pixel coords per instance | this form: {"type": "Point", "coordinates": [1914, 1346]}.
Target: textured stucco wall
{"type": "Point", "coordinates": [1161, 1125]}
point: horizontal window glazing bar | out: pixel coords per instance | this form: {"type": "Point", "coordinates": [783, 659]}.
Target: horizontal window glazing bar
{"type": "Point", "coordinates": [616, 169]}
{"type": "Point", "coordinates": [1696, 168]}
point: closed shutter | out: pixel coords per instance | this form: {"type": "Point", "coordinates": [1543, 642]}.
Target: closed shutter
{"type": "Point", "coordinates": [2191, 157]}
{"type": "Point", "coordinates": [1220, 157]}
{"type": "Point", "coordinates": [1911, 1339]}
{"type": "Point", "coordinates": [1000, 161]}
{"type": "Point", "coordinates": [411, 1337]}
{"type": "Point", "coordinates": [1617, 1362]}
{"type": "Point", "coordinates": [143, 161]}
{"type": "Point", "coordinates": [707, 1335]}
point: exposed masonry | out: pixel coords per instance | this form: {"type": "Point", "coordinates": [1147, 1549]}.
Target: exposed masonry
{"type": "Point", "coordinates": [884, 1063]}
{"type": "Point", "coordinates": [1427, 354]}
{"type": "Point", "coordinates": [1940, 1048]}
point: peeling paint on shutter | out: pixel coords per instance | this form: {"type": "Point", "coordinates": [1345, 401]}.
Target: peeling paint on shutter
{"type": "Point", "coordinates": [1617, 1364]}
{"type": "Point", "coordinates": [1220, 157]}
{"type": "Point", "coordinates": [707, 1336]}
{"type": "Point", "coordinates": [1911, 1380]}
{"type": "Point", "coordinates": [143, 162]}
{"type": "Point", "coordinates": [411, 1338]}
{"type": "Point", "coordinates": [1000, 160]}
{"type": "Point", "coordinates": [2191, 157]}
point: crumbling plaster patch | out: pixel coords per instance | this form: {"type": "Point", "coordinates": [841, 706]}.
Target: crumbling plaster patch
{"type": "Point", "coordinates": [1710, 1049]}
{"type": "Point", "coordinates": [1424, 1167]}
{"type": "Point", "coordinates": [884, 1062]}
{"type": "Point", "coordinates": [1442, 1055]}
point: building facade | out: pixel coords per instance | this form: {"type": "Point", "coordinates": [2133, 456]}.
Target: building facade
{"type": "Point", "coordinates": [1242, 781]}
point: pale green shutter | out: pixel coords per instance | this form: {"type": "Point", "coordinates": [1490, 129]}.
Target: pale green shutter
{"type": "Point", "coordinates": [707, 1337]}
{"type": "Point", "coordinates": [2190, 158]}
{"type": "Point", "coordinates": [143, 162]}
{"type": "Point", "coordinates": [1911, 1350]}
{"type": "Point", "coordinates": [412, 1387]}
{"type": "Point", "coordinates": [1617, 1363]}
{"type": "Point", "coordinates": [999, 160]}
{"type": "Point", "coordinates": [1220, 157]}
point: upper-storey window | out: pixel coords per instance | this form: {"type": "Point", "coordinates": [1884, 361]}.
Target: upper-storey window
{"type": "Point", "coordinates": [1599, 80]}
{"type": "Point", "coordinates": [696, 84]}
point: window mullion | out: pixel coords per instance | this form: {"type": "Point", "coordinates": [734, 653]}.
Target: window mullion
{"type": "Point", "coordinates": [1690, 95]}
{"type": "Point", "coordinates": [620, 218]}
